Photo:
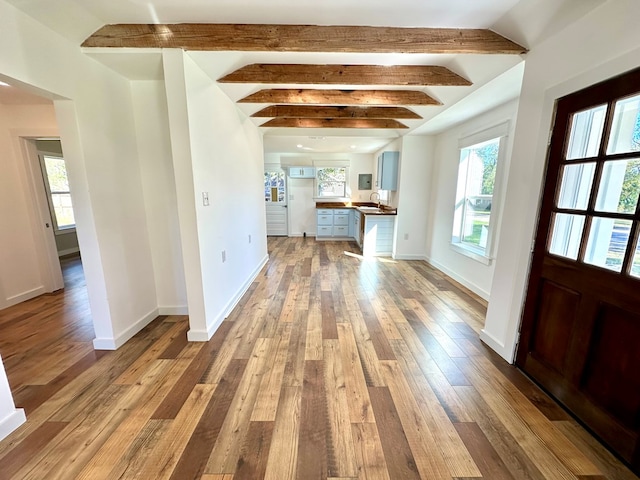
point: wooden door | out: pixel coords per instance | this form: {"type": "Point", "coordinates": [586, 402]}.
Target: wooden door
{"type": "Point", "coordinates": [580, 336]}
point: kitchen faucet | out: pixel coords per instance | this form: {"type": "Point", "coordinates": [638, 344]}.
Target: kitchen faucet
{"type": "Point", "coordinates": [377, 195]}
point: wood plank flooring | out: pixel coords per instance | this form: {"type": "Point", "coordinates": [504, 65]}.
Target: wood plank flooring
{"type": "Point", "coordinates": [331, 367]}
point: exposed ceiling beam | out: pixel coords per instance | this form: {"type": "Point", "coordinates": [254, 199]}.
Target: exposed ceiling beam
{"type": "Point", "coordinates": [345, 75]}
{"type": "Point", "coordinates": [340, 97]}
{"type": "Point", "coordinates": [302, 38]}
{"type": "Point", "coordinates": [312, 111]}
{"type": "Point", "coordinates": [333, 123]}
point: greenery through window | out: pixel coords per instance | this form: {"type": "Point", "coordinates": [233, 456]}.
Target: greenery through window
{"type": "Point", "coordinates": [474, 195]}
{"type": "Point", "coordinates": [331, 181]}
{"type": "Point", "coordinates": [57, 185]}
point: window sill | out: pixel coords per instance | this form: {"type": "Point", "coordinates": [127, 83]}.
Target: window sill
{"type": "Point", "coordinates": [471, 253]}
{"type": "Point", "coordinates": [64, 231]}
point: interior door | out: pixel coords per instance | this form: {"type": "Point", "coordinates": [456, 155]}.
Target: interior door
{"type": "Point", "coordinates": [580, 336]}
{"type": "Point", "coordinates": [275, 196]}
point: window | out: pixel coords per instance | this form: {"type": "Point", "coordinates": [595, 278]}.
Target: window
{"type": "Point", "coordinates": [474, 214]}
{"type": "Point", "coordinates": [274, 186]}
{"type": "Point", "coordinates": [331, 182]}
{"type": "Point", "coordinates": [596, 208]}
{"type": "Point", "coordinates": [57, 185]}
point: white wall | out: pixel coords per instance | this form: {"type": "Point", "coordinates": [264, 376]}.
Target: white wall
{"type": "Point", "coordinates": [415, 180]}
{"type": "Point", "coordinates": [469, 272]}
{"type": "Point", "coordinates": [95, 119]}
{"type": "Point", "coordinates": [602, 44]}
{"type": "Point", "coordinates": [22, 271]}
{"type": "Point", "coordinates": [216, 149]}
{"type": "Point", "coordinates": [158, 185]}
{"type": "Point", "coordinates": [10, 416]}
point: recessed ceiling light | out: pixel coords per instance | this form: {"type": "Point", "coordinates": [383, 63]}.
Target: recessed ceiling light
{"type": "Point", "coordinates": [299, 145]}
{"type": "Point", "coordinates": [2, 84]}
{"type": "Point", "coordinates": [353, 146]}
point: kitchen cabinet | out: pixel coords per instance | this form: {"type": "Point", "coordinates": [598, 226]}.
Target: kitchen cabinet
{"type": "Point", "coordinates": [356, 231]}
{"type": "Point", "coordinates": [388, 171]}
{"type": "Point", "coordinates": [302, 172]}
{"type": "Point", "coordinates": [377, 239]}
{"type": "Point", "coordinates": [333, 223]}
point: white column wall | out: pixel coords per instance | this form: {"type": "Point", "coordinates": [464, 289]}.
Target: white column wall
{"type": "Point", "coordinates": [10, 416]}
{"type": "Point", "coordinates": [415, 181]}
{"type": "Point", "coordinates": [217, 150]}
{"type": "Point", "coordinates": [602, 44]}
{"type": "Point", "coordinates": [159, 188]}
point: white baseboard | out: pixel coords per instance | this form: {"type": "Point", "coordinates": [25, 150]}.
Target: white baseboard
{"type": "Point", "coordinates": [115, 343]}
{"type": "Point", "coordinates": [24, 296]}
{"type": "Point", "coordinates": [205, 335]}
{"type": "Point", "coordinates": [463, 281]}
{"type": "Point", "coordinates": [497, 346]}
{"type": "Point", "coordinates": [410, 257]}
{"type": "Point", "coordinates": [234, 301]}
{"type": "Point", "coordinates": [13, 421]}
{"type": "Point", "coordinates": [182, 310]}
{"type": "Point", "coordinates": [68, 251]}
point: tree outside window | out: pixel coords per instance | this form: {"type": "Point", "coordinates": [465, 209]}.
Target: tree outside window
{"type": "Point", "coordinates": [474, 195]}
{"type": "Point", "coordinates": [331, 181]}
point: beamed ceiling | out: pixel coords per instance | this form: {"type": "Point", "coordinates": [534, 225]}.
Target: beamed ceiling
{"type": "Point", "coordinates": [356, 96]}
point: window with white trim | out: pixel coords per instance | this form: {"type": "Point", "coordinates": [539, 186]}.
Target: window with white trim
{"type": "Point", "coordinates": [331, 182]}
{"type": "Point", "coordinates": [476, 192]}
{"type": "Point", "coordinates": [56, 183]}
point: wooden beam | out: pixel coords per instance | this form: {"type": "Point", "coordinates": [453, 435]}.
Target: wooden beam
{"type": "Point", "coordinates": [278, 73]}
{"type": "Point", "coordinates": [333, 123]}
{"type": "Point", "coordinates": [303, 38]}
{"type": "Point", "coordinates": [340, 97]}
{"type": "Point", "coordinates": [302, 111]}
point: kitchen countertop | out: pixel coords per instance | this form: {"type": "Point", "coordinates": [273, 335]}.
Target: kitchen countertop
{"type": "Point", "coordinates": [366, 208]}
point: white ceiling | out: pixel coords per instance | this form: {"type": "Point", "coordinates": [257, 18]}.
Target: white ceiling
{"type": "Point", "coordinates": [496, 78]}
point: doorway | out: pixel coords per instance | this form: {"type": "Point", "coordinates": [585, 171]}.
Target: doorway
{"type": "Point", "coordinates": [581, 321]}
{"type": "Point", "coordinates": [275, 196]}
{"type": "Point", "coordinates": [61, 220]}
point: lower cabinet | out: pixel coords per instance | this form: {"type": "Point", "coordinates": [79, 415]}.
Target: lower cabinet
{"type": "Point", "coordinates": [377, 240]}
{"type": "Point", "coordinates": [372, 233]}
{"type": "Point", "coordinates": [333, 223]}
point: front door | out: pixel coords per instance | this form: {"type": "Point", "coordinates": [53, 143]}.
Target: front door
{"type": "Point", "coordinates": [580, 336]}
{"type": "Point", "coordinates": [275, 196]}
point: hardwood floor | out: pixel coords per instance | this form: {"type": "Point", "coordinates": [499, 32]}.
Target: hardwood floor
{"type": "Point", "coordinates": [331, 367]}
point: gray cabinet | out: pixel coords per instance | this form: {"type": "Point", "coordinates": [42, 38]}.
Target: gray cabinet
{"type": "Point", "coordinates": [302, 172]}
{"type": "Point", "coordinates": [333, 223]}
{"type": "Point", "coordinates": [388, 171]}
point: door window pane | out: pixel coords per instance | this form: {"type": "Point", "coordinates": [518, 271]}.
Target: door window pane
{"type": "Point", "coordinates": [607, 243]}
{"type": "Point", "coordinates": [567, 233]}
{"type": "Point", "coordinates": [274, 186]}
{"type": "Point", "coordinates": [625, 130]}
{"type": "Point", "coordinates": [619, 186]}
{"type": "Point", "coordinates": [586, 132]}
{"type": "Point", "coordinates": [576, 186]}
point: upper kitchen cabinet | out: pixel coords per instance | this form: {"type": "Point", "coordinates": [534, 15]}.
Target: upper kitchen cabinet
{"type": "Point", "coordinates": [388, 171]}
{"type": "Point", "coordinates": [302, 172]}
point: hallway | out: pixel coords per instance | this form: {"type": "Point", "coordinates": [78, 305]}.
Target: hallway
{"type": "Point", "coordinates": [332, 366]}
